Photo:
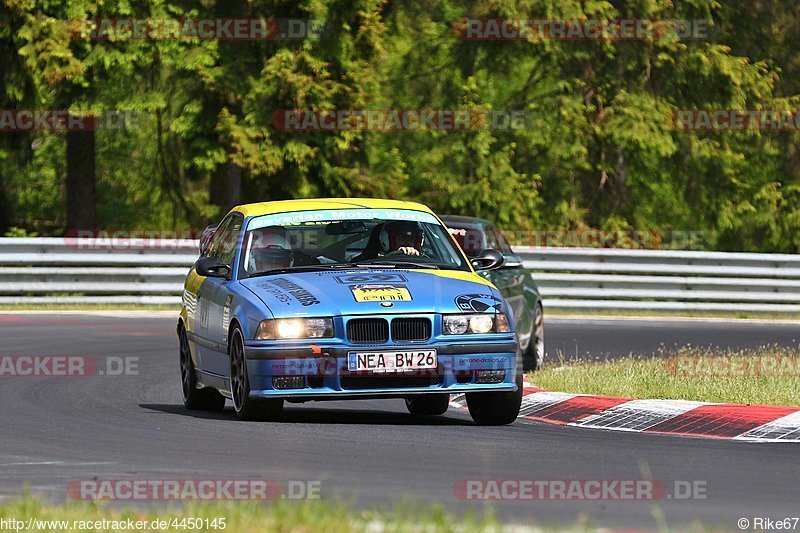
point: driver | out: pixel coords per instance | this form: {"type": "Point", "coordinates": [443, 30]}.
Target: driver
{"type": "Point", "coordinates": [269, 250]}
{"type": "Point", "coordinates": [394, 236]}
{"type": "Point", "coordinates": [401, 236]}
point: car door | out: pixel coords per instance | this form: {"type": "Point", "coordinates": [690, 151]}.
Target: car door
{"type": "Point", "coordinates": [510, 278]}
{"type": "Point", "coordinates": [499, 277]}
{"type": "Point", "coordinates": [214, 299]}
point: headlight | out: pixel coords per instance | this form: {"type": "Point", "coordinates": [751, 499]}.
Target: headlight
{"type": "Point", "coordinates": [455, 324]}
{"type": "Point", "coordinates": [290, 329]}
{"type": "Point", "coordinates": [481, 323]}
{"type": "Point", "coordinates": [295, 328]}
{"type": "Point", "coordinates": [317, 328]}
{"type": "Point", "coordinates": [477, 323]}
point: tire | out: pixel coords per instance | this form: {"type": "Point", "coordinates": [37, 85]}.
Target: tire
{"type": "Point", "coordinates": [195, 399]}
{"type": "Point", "coordinates": [533, 355]}
{"type": "Point", "coordinates": [495, 408]}
{"type": "Point", "coordinates": [247, 408]}
{"type": "Point", "coordinates": [428, 404]}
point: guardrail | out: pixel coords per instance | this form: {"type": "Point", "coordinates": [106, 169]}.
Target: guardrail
{"type": "Point", "coordinates": [587, 278]}
{"type": "Point", "coordinates": [56, 270]}
{"type": "Point", "coordinates": [93, 271]}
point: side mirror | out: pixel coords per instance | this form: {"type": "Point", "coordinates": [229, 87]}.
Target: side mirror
{"type": "Point", "coordinates": [488, 260]}
{"type": "Point", "coordinates": [211, 267]}
{"type": "Point", "coordinates": [205, 238]}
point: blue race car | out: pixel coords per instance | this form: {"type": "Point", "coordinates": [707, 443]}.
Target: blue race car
{"type": "Point", "coordinates": [333, 299]}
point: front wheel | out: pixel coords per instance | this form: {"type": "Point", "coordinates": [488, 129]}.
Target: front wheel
{"type": "Point", "coordinates": [428, 404]}
{"type": "Point", "coordinates": [533, 355]}
{"type": "Point", "coordinates": [247, 408]}
{"type": "Point", "coordinates": [195, 399]}
{"type": "Point", "coordinates": [495, 408]}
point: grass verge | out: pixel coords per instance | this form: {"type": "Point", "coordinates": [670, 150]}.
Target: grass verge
{"type": "Point", "coordinates": [768, 375]}
{"type": "Point", "coordinates": [240, 517]}
{"type": "Point", "coordinates": [278, 516]}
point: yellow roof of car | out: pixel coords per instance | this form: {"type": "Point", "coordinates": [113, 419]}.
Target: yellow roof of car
{"type": "Point", "coordinates": [313, 204]}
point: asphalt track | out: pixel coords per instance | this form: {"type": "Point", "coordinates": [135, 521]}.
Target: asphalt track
{"type": "Point", "coordinates": [57, 429]}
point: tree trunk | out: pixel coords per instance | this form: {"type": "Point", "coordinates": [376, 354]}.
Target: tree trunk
{"type": "Point", "coordinates": [81, 178]}
{"type": "Point", "coordinates": [226, 186]}
{"type": "Point", "coordinates": [5, 210]}
{"type": "Point", "coordinates": [620, 181]}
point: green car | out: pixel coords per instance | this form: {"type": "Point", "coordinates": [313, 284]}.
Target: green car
{"type": "Point", "coordinates": [512, 279]}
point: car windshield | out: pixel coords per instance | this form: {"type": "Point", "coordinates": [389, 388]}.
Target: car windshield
{"type": "Point", "coordinates": [470, 237]}
{"type": "Point", "coordinates": [342, 238]}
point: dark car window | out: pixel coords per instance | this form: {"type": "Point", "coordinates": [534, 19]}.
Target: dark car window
{"type": "Point", "coordinates": [214, 245]}
{"type": "Point", "coordinates": [223, 244]}
{"type": "Point", "coordinates": [491, 237]}
{"type": "Point", "coordinates": [471, 238]}
{"type": "Point", "coordinates": [501, 241]}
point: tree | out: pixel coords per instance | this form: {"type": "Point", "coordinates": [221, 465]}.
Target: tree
{"type": "Point", "coordinates": [597, 149]}
{"type": "Point", "coordinates": [18, 92]}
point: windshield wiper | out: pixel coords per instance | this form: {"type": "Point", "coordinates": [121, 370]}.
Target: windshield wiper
{"type": "Point", "coordinates": [340, 266]}
{"type": "Point", "coordinates": [396, 264]}
{"type": "Point", "coordinates": [302, 268]}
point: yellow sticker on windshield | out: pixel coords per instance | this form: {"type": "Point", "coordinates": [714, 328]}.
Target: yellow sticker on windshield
{"type": "Point", "coordinates": [380, 293]}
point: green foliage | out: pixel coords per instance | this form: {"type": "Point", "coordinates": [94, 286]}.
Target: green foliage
{"type": "Point", "coordinates": [14, 231]}
{"type": "Point", "coordinates": [597, 150]}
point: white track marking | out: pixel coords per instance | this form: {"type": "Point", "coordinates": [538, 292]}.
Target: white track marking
{"type": "Point", "coordinates": [784, 429]}
{"type": "Point", "coordinates": [638, 415]}
{"type": "Point", "coordinates": [57, 463]}
{"type": "Point", "coordinates": [541, 400]}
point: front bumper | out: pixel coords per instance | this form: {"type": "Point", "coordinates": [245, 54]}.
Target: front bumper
{"type": "Point", "coordinates": [323, 368]}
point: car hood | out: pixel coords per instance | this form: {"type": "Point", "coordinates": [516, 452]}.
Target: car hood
{"type": "Point", "coordinates": [366, 292]}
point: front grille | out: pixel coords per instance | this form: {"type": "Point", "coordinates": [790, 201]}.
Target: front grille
{"type": "Point", "coordinates": [368, 330]}
{"type": "Point", "coordinates": [362, 380]}
{"type": "Point", "coordinates": [411, 329]}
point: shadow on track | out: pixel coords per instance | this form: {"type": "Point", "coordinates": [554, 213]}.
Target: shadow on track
{"type": "Point", "coordinates": [323, 416]}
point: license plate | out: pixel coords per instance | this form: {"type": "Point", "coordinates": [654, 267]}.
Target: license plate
{"type": "Point", "coordinates": [399, 361]}
{"type": "Point", "coordinates": [381, 294]}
